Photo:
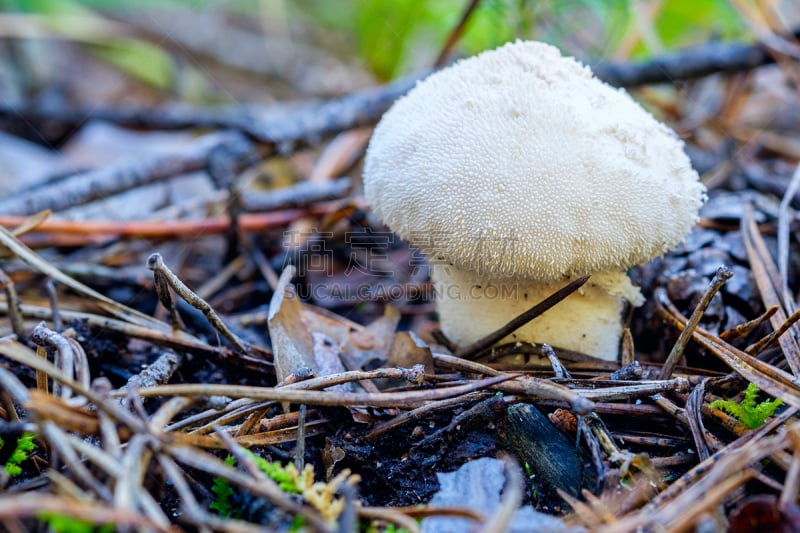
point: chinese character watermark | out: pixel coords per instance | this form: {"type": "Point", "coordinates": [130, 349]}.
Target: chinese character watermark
{"type": "Point", "coordinates": [310, 250]}
{"type": "Point", "coordinates": [373, 258]}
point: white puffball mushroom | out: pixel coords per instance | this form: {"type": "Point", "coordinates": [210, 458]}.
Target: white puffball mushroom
{"type": "Point", "coordinates": [516, 171]}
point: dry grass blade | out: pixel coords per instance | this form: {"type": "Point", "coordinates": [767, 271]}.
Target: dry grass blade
{"type": "Point", "coordinates": [23, 506]}
{"type": "Point", "coordinates": [106, 461]}
{"type": "Point", "coordinates": [764, 343]}
{"type": "Point", "coordinates": [525, 385]}
{"type": "Point", "coordinates": [722, 275]}
{"type": "Point", "coordinates": [278, 436]}
{"type": "Point", "coordinates": [768, 378]}
{"type": "Point", "coordinates": [10, 347]}
{"type": "Point", "coordinates": [420, 412]}
{"type": "Point", "coordinates": [30, 223]}
{"type": "Point", "coordinates": [414, 376]}
{"type": "Point", "coordinates": [129, 492]}
{"type": "Point", "coordinates": [61, 450]}
{"type": "Point", "coordinates": [115, 308]}
{"type": "Point", "coordinates": [769, 284]}
{"type": "Point", "coordinates": [156, 264]}
{"type": "Point", "coordinates": [406, 400]}
{"type": "Point", "coordinates": [14, 313]}
{"type": "Point", "coordinates": [69, 356]}
{"type": "Point", "coordinates": [748, 327]}
{"type": "Point", "coordinates": [783, 238]}
{"type": "Point", "coordinates": [715, 484]}
{"type": "Point", "coordinates": [699, 470]}
{"type": "Point", "coordinates": [176, 340]}
{"type": "Point", "coordinates": [634, 390]}
{"type": "Point", "coordinates": [694, 417]}
{"type": "Point", "coordinates": [53, 372]}
{"type": "Point", "coordinates": [791, 485]}
{"type": "Point", "coordinates": [13, 391]}
{"type": "Point", "coordinates": [771, 380]}
{"type": "Point", "coordinates": [49, 407]}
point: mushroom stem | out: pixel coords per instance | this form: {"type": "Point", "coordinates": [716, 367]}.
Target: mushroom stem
{"type": "Point", "coordinates": [588, 321]}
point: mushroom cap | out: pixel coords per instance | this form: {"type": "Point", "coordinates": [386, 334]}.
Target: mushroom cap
{"type": "Point", "coordinates": [519, 163]}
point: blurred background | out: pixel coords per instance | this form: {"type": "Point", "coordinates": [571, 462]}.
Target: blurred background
{"type": "Point", "coordinates": [227, 136]}
{"type": "Point", "coordinates": [315, 47]}
{"type": "Point", "coordinates": [87, 85]}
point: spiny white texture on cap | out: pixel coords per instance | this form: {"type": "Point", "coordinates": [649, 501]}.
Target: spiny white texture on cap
{"type": "Point", "coordinates": [519, 163]}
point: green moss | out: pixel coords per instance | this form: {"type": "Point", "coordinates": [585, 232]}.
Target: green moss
{"type": "Point", "coordinates": [66, 524]}
{"type": "Point", "coordinates": [223, 492]}
{"type": "Point", "coordinates": [25, 445]}
{"type": "Point", "coordinates": [748, 412]}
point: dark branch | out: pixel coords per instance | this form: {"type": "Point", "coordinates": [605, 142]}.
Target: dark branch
{"type": "Point", "coordinates": [686, 64]}
{"type": "Point", "coordinates": [85, 187]}
{"type": "Point", "coordinates": [292, 126]}
{"type": "Point", "coordinates": [298, 125]}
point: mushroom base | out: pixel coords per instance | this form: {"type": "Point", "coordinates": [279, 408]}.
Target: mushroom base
{"type": "Point", "coordinates": [588, 321]}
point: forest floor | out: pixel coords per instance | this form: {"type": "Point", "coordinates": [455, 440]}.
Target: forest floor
{"type": "Point", "coordinates": [204, 328]}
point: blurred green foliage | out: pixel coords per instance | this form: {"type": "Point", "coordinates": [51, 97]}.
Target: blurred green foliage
{"type": "Point", "coordinates": [22, 451]}
{"type": "Point", "coordinates": [142, 60]}
{"type": "Point", "coordinates": [748, 412]}
{"type": "Point", "coordinates": [683, 22]}
{"type": "Point", "coordinates": [66, 524]}
{"type": "Point", "coordinates": [397, 36]}
{"type": "Point", "coordinates": [393, 37]}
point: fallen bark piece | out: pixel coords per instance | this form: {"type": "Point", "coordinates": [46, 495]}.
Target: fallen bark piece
{"type": "Point", "coordinates": [549, 454]}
